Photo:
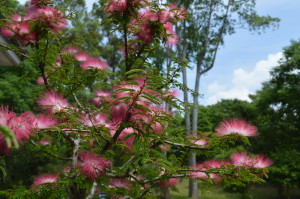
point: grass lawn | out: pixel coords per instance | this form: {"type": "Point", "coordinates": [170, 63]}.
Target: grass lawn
{"type": "Point", "coordinates": [259, 191]}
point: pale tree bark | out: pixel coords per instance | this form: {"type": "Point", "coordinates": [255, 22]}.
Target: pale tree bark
{"type": "Point", "coordinates": [165, 191]}
{"type": "Point", "coordinates": [191, 127]}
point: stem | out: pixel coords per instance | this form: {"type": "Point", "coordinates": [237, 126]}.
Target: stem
{"type": "Point", "coordinates": [126, 49]}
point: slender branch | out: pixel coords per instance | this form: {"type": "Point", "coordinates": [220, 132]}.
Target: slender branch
{"type": "Point", "coordinates": [48, 153]}
{"type": "Point", "coordinates": [126, 49]}
{"type": "Point", "coordinates": [218, 40]}
{"type": "Point", "coordinates": [92, 192]}
{"type": "Point", "coordinates": [141, 183]}
{"type": "Point", "coordinates": [186, 146]}
{"type": "Point", "coordinates": [15, 49]}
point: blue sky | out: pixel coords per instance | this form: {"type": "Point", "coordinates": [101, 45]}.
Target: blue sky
{"type": "Point", "coordinates": [246, 59]}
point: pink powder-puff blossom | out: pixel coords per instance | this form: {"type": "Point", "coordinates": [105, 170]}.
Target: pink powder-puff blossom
{"type": "Point", "coordinates": [157, 128]}
{"type": "Point", "coordinates": [172, 38]}
{"type": "Point", "coordinates": [172, 182]}
{"type": "Point", "coordinates": [173, 94]}
{"type": "Point", "coordinates": [198, 174]}
{"type": "Point", "coordinates": [92, 165]}
{"type": "Point", "coordinates": [21, 127]}
{"type": "Point", "coordinates": [94, 64]}
{"type": "Point", "coordinates": [118, 6]}
{"type": "Point", "coordinates": [40, 81]}
{"type": "Point", "coordinates": [261, 162]}
{"type": "Point", "coordinates": [94, 120]}
{"type": "Point", "coordinates": [45, 179]}
{"type": "Point", "coordinates": [81, 56]}
{"type": "Point", "coordinates": [44, 122]}
{"type": "Point", "coordinates": [23, 29]}
{"type": "Point", "coordinates": [30, 38]}
{"type": "Point", "coordinates": [45, 141]}
{"type": "Point", "coordinates": [120, 183]}
{"type": "Point", "coordinates": [7, 31]}
{"type": "Point", "coordinates": [200, 142]}
{"type": "Point", "coordinates": [16, 18]}
{"type": "Point", "coordinates": [5, 116]}
{"type": "Point", "coordinates": [240, 127]}
{"type": "Point", "coordinates": [103, 94]}
{"type": "Point", "coordinates": [215, 163]}
{"type": "Point", "coordinates": [119, 112]}
{"type": "Point", "coordinates": [71, 50]}
{"type": "Point", "coordinates": [125, 137]}
{"type": "Point", "coordinates": [258, 161]}
{"type": "Point", "coordinates": [53, 102]}
{"type": "Point", "coordinates": [240, 159]}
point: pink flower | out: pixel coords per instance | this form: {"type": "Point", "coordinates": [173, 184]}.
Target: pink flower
{"type": "Point", "coordinates": [44, 122]}
{"type": "Point", "coordinates": [103, 94]}
{"type": "Point", "coordinates": [124, 136]}
{"type": "Point", "coordinates": [258, 161]}
{"type": "Point", "coordinates": [215, 163]}
{"type": "Point", "coordinates": [45, 141]}
{"type": "Point", "coordinates": [94, 63]}
{"type": "Point", "coordinates": [30, 38]}
{"type": "Point", "coordinates": [119, 183]}
{"type": "Point", "coordinates": [7, 31]}
{"type": "Point", "coordinates": [240, 159]}
{"type": "Point", "coordinates": [16, 18]}
{"type": "Point", "coordinates": [117, 6]}
{"type": "Point", "coordinates": [119, 112]}
{"type": "Point", "coordinates": [53, 102]}
{"type": "Point", "coordinates": [173, 93]}
{"type": "Point", "coordinates": [92, 165]}
{"type": "Point", "coordinates": [95, 120]}
{"type": "Point", "coordinates": [81, 56]}
{"type": "Point", "coordinates": [23, 29]}
{"type": "Point", "coordinates": [71, 50]}
{"type": "Point", "coordinates": [45, 179]}
{"type": "Point", "coordinates": [198, 174]}
{"type": "Point", "coordinates": [157, 128]}
{"type": "Point", "coordinates": [172, 38]}
{"type": "Point", "coordinates": [172, 182]}
{"type": "Point", "coordinates": [261, 162]}
{"type": "Point", "coordinates": [21, 126]}
{"type": "Point", "coordinates": [240, 127]}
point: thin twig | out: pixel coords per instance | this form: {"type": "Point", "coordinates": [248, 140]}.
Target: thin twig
{"type": "Point", "coordinates": [50, 154]}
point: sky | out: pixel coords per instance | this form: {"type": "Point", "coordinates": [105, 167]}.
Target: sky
{"type": "Point", "coordinates": [245, 60]}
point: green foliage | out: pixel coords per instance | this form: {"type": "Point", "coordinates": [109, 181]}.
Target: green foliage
{"type": "Point", "coordinates": [278, 122]}
{"type": "Point", "coordinates": [18, 87]}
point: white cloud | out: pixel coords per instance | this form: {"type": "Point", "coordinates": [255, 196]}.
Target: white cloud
{"type": "Point", "coordinates": [239, 93]}
{"type": "Point", "coordinates": [260, 73]}
{"type": "Point", "coordinates": [215, 87]}
{"type": "Point", "coordinates": [243, 82]}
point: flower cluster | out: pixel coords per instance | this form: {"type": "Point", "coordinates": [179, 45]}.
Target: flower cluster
{"type": "Point", "coordinates": [37, 17]}
{"type": "Point", "coordinates": [238, 159]}
{"type": "Point", "coordinates": [236, 126]}
{"type": "Point", "coordinates": [42, 179]}
{"type": "Point", "coordinates": [92, 165]}
{"type": "Point", "coordinates": [23, 126]}
{"type": "Point", "coordinates": [87, 61]}
{"type": "Point", "coordinates": [147, 23]}
{"type": "Point", "coordinates": [258, 161]}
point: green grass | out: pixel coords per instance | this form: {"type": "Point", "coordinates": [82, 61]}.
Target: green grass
{"type": "Point", "coordinates": [258, 191]}
{"type": "Point", "coordinates": [213, 193]}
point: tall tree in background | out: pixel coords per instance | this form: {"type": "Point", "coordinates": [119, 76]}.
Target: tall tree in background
{"type": "Point", "coordinates": [278, 106]}
{"type": "Point", "coordinates": [210, 21]}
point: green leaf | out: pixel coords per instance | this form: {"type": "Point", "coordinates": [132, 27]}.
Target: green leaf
{"type": "Point", "coordinates": [9, 137]}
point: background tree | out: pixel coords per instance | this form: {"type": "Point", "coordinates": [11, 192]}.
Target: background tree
{"type": "Point", "coordinates": [201, 37]}
{"type": "Point", "coordinates": [278, 109]}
